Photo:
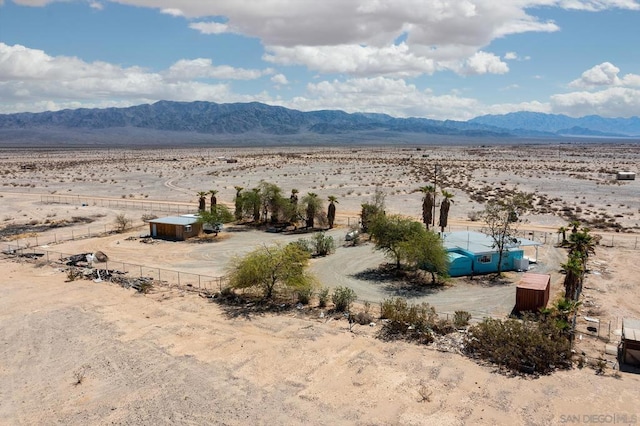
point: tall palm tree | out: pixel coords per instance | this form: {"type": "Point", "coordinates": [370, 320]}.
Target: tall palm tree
{"type": "Point", "coordinates": [331, 210]}
{"type": "Point", "coordinates": [312, 202]}
{"type": "Point", "coordinates": [238, 202]}
{"type": "Point", "coordinates": [444, 209]}
{"type": "Point", "coordinates": [213, 200]}
{"type": "Point", "coordinates": [573, 279]}
{"type": "Point", "coordinates": [574, 224]}
{"type": "Point", "coordinates": [563, 231]}
{"type": "Point", "coordinates": [294, 196]}
{"type": "Point", "coordinates": [427, 204]}
{"type": "Point", "coordinates": [202, 201]}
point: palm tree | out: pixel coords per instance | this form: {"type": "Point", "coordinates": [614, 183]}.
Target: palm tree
{"type": "Point", "coordinates": [563, 230]}
{"type": "Point", "coordinates": [331, 211]}
{"type": "Point", "coordinates": [312, 202]}
{"type": "Point", "coordinates": [574, 224]}
{"type": "Point", "coordinates": [202, 202]}
{"type": "Point", "coordinates": [294, 197]}
{"type": "Point", "coordinates": [573, 279]}
{"type": "Point", "coordinates": [214, 200]}
{"type": "Point", "coordinates": [427, 204]}
{"type": "Point", "coordinates": [444, 209]}
{"type": "Point", "coordinates": [238, 202]}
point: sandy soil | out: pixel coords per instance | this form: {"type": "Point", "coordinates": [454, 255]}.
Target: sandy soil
{"type": "Point", "coordinates": [173, 357]}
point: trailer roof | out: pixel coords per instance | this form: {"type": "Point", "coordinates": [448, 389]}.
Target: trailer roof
{"type": "Point", "coordinates": [631, 329]}
{"type": "Point", "coordinates": [477, 242]}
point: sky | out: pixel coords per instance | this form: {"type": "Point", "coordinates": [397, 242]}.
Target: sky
{"type": "Point", "coordinates": [439, 59]}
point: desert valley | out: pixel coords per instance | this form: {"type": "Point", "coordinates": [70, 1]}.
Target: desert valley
{"type": "Point", "coordinates": [87, 351]}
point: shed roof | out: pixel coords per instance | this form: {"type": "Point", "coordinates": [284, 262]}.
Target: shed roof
{"type": "Point", "coordinates": [175, 220]}
{"type": "Point", "coordinates": [631, 329]}
{"type": "Point", "coordinates": [477, 242]}
{"type": "Point", "coordinates": [533, 281]}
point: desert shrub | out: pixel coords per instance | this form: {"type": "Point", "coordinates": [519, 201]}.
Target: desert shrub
{"type": "Point", "coordinates": [342, 298]}
{"type": "Point", "coordinates": [304, 295]}
{"type": "Point", "coordinates": [303, 244]}
{"type": "Point", "coordinates": [122, 223]}
{"type": "Point", "coordinates": [473, 216]}
{"type": "Point", "coordinates": [461, 319]}
{"type": "Point", "coordinates": [323, 297]}
{"type": "Point", "coordinates": [408, 321]}
{"type": "Point", "coordinates": [322, 244]}
{"type": "Point", "coordinates": [147, 217]}
{"type": "Point", "coordinates": [443, 326]}
{"type": "Point", "coordinates": [362, 318]}
{"type": "Point", "coordinates": [519, 346]}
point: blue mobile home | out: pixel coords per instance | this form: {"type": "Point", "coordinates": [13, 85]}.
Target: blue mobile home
{"type": "Point", "coordinates": [473, 253]}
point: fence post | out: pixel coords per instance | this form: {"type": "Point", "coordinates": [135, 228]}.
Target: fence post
{"type": "Point", "coordinates": [198, 280]}
{"type": "Point", "coordinates": [178, 278]}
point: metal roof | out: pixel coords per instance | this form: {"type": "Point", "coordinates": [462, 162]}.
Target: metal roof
{"type": "Point", "coordinates": [175, 220]}
{"type": "Point", "coordinates": [477, 242]}
{"type": "Point", "coordinates": [533, 281]}
{"type": "Point", "coordinates": [631, 329]}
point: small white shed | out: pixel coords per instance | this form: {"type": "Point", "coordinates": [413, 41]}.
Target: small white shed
{"type": "Point", "coordinates": [626, 176]}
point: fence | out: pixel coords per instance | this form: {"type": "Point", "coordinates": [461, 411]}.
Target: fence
{"type": "Point", "coordinates": [151, 206]}
{"type": "Point", "coordinates": [171, 277]}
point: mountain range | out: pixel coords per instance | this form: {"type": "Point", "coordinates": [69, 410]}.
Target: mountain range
{"type": "Point", "coordinates": [167, 122]}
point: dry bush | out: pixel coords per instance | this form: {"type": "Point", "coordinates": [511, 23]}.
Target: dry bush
{"type": "Point", "coordinates": [527, 346]}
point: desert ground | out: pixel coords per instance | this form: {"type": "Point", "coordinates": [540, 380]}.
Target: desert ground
{"type": "Point", "coordinates": [81, 352]}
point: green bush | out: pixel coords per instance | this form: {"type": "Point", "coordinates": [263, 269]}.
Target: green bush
{"type": "Point", "coordinates": [323, 297]}
{"type": "Point", "coordinates": [408, 321]}
{"type": "Point", "coordinates": [322, 244]}
{"type": "Point", "coordinates": [523, 346]}
{"type": "Point", "coordinates": [342, 298]}
{"type": "Point", "coordinates": [461, 319]}
{"type": "Point", "coordinates": [304, 295]}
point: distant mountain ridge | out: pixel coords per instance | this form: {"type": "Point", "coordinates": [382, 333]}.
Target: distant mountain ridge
{"type": "Point", "coordinates": [562, 125]}
{"type": "Point", "coordinates": [177, 122]}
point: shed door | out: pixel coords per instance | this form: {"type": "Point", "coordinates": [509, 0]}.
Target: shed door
{"type": "Point", "coordinates": [154, 230]}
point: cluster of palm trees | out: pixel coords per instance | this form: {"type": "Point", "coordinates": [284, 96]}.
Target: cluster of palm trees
{"type": "Point", "coordinates": [428, 206]}
{"type": "Point", "coordinates": [202, 202]}
{"type": "Point", "coordinates": [266, 204]}
{"type": "Point", "coordinates": [581, 244]}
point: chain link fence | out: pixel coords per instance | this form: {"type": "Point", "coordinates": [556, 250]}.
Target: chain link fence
{"type": "Point", "coordinates": [132, 270]}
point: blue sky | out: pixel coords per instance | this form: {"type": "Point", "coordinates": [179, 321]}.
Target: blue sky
{"type": "Point", "coordinates": [424, 58]}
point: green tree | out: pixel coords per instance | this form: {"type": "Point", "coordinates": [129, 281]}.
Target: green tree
{"type": "Point", "coordinates": [218, 215]}
{"type": "Point", "coordinates": [424, 250]}
{"type": "Point", "coordinates": [391, 235]}
{"type": "Point", "coordinates": [272, 201]}
{"type": "Point", "coordinates": [501, 217]}
{"type": "Point", "coordinates": [331, 210]}
{"type": "Point", "coordinates": [312, 206]}
{"type": "Point", "coordinates": [370, 211]}
{"type": "Point", "coordinates": [427, 204]}
{"type": "Point", "coordinates": [445, 205]}
{"type": "Point", "coordinates": [202, 201]}
{"type": "Point", "coordinates": [269, 268]}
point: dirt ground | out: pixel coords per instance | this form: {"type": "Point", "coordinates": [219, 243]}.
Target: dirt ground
{"type": "Point", "coordinates": [94, 353]}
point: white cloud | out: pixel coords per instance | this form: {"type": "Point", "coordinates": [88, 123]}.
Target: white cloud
{"type": "Point", "coordinates": [189, 69]}
{"type": "Point", "coordinates": [96, 5]}
{"type": "Point", "coordinates": [510, 56]}
{"type": "Point", "coordinates": [483, 63]}
{"type": "Point", "coordinates": [280, 79]}
{"type": "Point", "coordinates": [610, 102]}
{"type": "Point", "coordinates": [604, 74]}
{"type": "Point", "coordinates": [31, 80]}
{"type": "Point", "coordinates": [172, 12]}
{"type": "Point", "coordinates": [211, 27]}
